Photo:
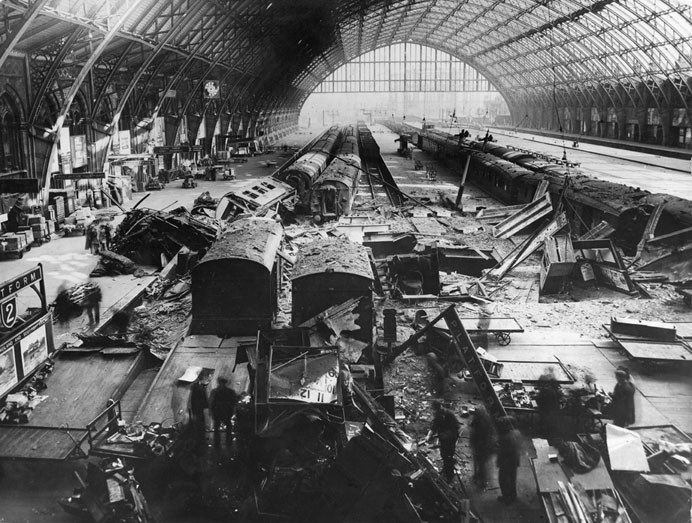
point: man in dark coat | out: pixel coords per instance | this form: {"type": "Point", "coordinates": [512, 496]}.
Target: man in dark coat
{"type": "Point", "coordinates": [223, 402]}
{"type": "Point", "coordinates": [623, 399]}
{"type": "Point", "coordinates": [446, 426]}
{"type": "Point", "coordinates": [548, 400]}
{"type": "Point", "coordinates": [507, 459]}
{"type": "Point", "coordinates": [483, 440]}
{"type": "Point", "coordinates": [198, 404]}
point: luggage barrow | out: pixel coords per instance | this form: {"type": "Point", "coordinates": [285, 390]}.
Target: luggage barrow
{"type": "Point", "coordinates": [502, 328]}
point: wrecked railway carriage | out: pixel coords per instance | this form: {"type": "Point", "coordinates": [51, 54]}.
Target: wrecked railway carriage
{"type": "Point", "coordinates": [236, 285]}
{"type": "Point", "coordinates": [514, 177]}
{"type": "Point", "coordinates": [329, 273]}
{"type": "Point", "coordinates": [304, 171]}
{"type": "Point", "coordinates": [334, 191]}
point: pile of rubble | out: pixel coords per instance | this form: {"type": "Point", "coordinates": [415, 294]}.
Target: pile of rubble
{"type": "Point", "coordinates": [151, 237]}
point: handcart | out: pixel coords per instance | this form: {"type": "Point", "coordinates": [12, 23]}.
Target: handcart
{"type": "Point", "coordinates": [502, 328]}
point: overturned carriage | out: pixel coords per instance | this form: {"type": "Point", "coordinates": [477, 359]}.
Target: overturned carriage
{"type": "Point", "coordinates": [235, 287]}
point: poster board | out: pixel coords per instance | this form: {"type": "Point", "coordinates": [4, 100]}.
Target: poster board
{"type": "Point", "coordinates": [8, 370]}
{"type": "Point", "coordinates": [26, 342]}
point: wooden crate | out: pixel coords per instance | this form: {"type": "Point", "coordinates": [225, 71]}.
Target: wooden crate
{"type": "Point", "coordinates": [557, 264]}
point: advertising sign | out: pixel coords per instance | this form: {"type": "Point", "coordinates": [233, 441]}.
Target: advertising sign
{"type": "Point", "coordinates": [124, 142]}
{"type": "Point", "coordinates": [79, 150]}
{"type": "Point", "coordinates": [66, 150]}
{"type": "Point", "coordinates": [8, 370]}
{"type": "Point", "coordinates": [34, 349]}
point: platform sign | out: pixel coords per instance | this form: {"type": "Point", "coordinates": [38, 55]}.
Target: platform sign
{"type": "Point", "coordinates": [25, 345]}
{"type": "Point", "coordinates": [470, 357]}
{"type": "Point", "coordinates": [8, 312]}
{"type": "Point", "coordinates": [16, 284]}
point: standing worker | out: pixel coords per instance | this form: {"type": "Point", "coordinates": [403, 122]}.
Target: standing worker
{"type": "Point", "coordinates": [198, 405]}
{"type": "Point", "coordinates": [623, 398]}
{"type": "Point", "coordinates": [483, 441]}
{"type": "Point", "coordinates": [548, 400]}
{"type": "Point", "coordinates": [446, 426]}
{"type": "Point", "coordinates": [507, 459]}
{"type": "Point", "coordinates": [223, 402]}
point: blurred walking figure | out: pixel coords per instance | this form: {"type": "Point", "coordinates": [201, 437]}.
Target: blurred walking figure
{"type": "Point", "coordinates": [623, 398]}
{"type": "Point", "coordinates": [548, 400]}
{"type": "Point", "coordinates": [71, 302]}
{"type": "Point", "coordinates": [198, 405]}
{"type": "Point", "coordinates": [507, 459]}
{"type": "Point", "coordinates": [483, 441]}
{"type": "Point", "coordinates": [446, 426]}
{"type": "Point", "coordinates": [223, 402]}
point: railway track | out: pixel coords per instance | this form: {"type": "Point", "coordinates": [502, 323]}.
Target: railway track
{"type": "Point", "coordinates": [379, 179]}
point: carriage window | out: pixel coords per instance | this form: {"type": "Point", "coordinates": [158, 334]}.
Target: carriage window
{"type": "Point", "coordinates": [259, 189]}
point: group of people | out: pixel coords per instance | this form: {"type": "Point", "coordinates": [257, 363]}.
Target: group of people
{"type": "Point", "coordinates": [99, 234]}
{"type": "Point", "coordinates": [487, 439]}
{"type": "Point", "coordinates": [501, 439]}
{"type": "Point", "coordinates": [221, 404]}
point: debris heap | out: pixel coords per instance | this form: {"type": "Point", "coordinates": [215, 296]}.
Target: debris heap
{"type": "Point", "coordinates": [147, 236]}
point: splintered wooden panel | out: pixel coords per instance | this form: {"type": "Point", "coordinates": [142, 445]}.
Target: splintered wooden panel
{"type": "Point", "coordinates": [26, 442]}
{"type": "Point", "coordinates": [79, 388]}
{"type": "Point", "coordinates": [168, 398]}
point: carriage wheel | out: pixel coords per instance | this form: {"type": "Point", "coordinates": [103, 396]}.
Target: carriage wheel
{"type": "Point", "coordinates": [503, 338]}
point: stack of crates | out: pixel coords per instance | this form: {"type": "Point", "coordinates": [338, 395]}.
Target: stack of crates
{"type": "Point", "coordinates": [11, 243]}
{"type": "Point", "coordinates": [39, 227]}
{"type": "Point", "coordinates": [28, 235]}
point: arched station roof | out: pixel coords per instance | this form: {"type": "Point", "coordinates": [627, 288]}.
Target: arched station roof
{"type": "Point", "coordinates": [268, 55]}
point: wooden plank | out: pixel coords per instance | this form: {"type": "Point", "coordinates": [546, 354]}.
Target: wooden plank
{"type": "Point", "coordinates": [541, 190]}
{"type": "Point", "coordinates": [532, 244]}
{"type": "Point", "coordinates": [656, 351]}
{"type": "Point", "coordinates": [79, 388]}
{"type": "Point", "coordinates": [495, 216]}
{"type": "Point", "coordinates": [26, 442]}
{"type": "Point", "coordinates": [530, 214]}
{"type": "Point", "coordinates": [648, 233]}
{"type": "Point", "coordinates": [670, 235]}
{"type": "Point", "coordinates": [528, 371]}
{"type": "Point", "coordinates": [683, 329]}
{"type": "Point", "coordinates": [548, 474]}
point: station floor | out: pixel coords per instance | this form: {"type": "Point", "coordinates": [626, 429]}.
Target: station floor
{"type": "Point", "coordinates": [29, 491]}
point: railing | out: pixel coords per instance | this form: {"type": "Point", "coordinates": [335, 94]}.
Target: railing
{"type": "Point", "coordinates": [106, 421]}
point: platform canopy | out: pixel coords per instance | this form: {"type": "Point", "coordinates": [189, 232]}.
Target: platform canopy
{"type": "Point", "coordinates": [247, 66]}
{"type": "Point", "coordinates": [264, 51]}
